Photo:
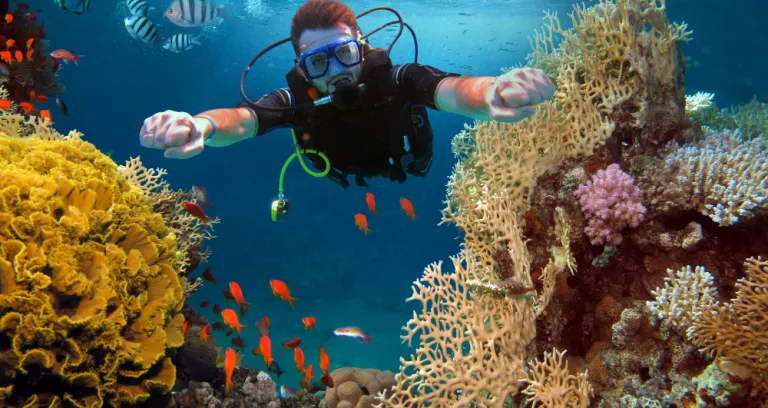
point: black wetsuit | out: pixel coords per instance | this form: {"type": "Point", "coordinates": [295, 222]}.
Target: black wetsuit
{"type": "Point", "coordinates": [387, 134]}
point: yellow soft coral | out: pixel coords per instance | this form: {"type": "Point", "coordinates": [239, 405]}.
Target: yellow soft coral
{"type": "Point", "coordinates": [89, 296]}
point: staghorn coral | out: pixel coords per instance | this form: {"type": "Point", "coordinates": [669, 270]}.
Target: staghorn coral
{"type": "Point", "coordinates": [723, 177]}
{"type": "Point", "coordinates": [737, 332]}
{"type": "Point", "coordinates": [468, 356]}
{"type": "Point", "coordinates": [617, 69]}
{"type": "Point", "coordinates": [549, 384]}
{"type": "Point", "coordinates": [89, 296]}
{"type": "Point", "coordinates": [190, 231]}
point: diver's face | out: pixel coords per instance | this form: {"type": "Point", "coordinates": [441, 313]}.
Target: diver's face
{"type": "Point", "coordinates": [313, 39]}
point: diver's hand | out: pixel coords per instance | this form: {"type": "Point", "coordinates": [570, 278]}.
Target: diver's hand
{"type": "Point", "coordinates": [513, 94]}
{"type": "Point", "coordinates": [178, 133]}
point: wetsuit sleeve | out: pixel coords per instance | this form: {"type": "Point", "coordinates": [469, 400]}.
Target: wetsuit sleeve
{"type": "Point", "coordinates": [419, 82]}
{"type": "Point", "coordinates": [269, 120]}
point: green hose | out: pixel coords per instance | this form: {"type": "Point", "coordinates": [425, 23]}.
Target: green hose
{"type": "Point", "coordinates": [299, 153]}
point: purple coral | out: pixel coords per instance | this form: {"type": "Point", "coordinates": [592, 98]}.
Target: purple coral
{"type": "Point", "coordinates": [610, 201]}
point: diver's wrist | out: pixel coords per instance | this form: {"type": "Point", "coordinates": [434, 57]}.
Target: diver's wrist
{"type": "Point", "coordinates": [208, 126]}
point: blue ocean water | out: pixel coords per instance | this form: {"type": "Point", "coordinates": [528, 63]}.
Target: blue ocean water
{"type": "Point", "coordinates": [340, 276]}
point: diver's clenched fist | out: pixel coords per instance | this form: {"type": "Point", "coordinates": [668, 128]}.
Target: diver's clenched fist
{"type": "Point", "coordinates": [178, 133]}
{"type": "Point", "coordinates": [512, 96]}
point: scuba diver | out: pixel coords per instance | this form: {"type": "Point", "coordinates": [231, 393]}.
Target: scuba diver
{"type": "Point", "coordinates": [351, 111]}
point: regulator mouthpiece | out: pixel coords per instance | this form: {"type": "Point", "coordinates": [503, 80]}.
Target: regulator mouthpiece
{"type": "Point", "coordinates": [347, 94]}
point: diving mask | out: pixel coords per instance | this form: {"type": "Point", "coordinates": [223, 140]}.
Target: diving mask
{"type": "Point", "coordinates": [315, 63]}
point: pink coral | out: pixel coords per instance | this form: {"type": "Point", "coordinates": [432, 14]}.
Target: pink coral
{"type": "Point", "coordinates": [610, 201]}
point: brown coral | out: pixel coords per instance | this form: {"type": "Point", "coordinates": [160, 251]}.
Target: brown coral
{"type": "Point", "coordinates": [89, 296]}
{"type": "Point", "coordinates": [356, 387]}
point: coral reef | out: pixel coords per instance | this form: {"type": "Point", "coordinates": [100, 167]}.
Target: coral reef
{"type": "Point", "coordinates": [723, 177]}
{"type": "Point", "coordinates": [251, 388]}
{"type": "Point", "coordinates": [191, 232]}
{"type": "Point", "coordinates": [356, 387]}
{"type": "Point", "coordinates": [489, 331]}
{"type": "Point", "coordinates": [89, 293]}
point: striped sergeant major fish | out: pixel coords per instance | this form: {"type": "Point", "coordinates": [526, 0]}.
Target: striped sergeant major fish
{"type": "Point", "coordinates": [74, 6]}
{"type": "Point", "coordinates": [181, 42]}
{"type": "Point", "coordinates": [193, 13]}
{"type": "Point", "coordinates": [140, 28]}
{"type": "Point", "coordinates": [137, 7]}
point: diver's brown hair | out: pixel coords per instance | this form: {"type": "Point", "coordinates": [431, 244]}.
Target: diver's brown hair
{"type": "Point", "coordinates": [320, 15]}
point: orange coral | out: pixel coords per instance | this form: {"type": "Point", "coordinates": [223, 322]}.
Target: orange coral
{"type": "Point", "coordinates": [89, 295]}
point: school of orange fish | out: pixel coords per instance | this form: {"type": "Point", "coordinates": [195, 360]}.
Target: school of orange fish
{"type": "Point", "coordinates": [14, 54]}
{"type": "Point", "coordinates": [231, 317]}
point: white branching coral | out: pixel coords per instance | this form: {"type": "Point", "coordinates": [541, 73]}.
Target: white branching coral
{"type": "Point", "coordinates": [724, 177]}
{"type": "Point", "coordinates": [551, 385]}
{"type": "Point", "coordinates": [685, 292]}
{"type": "Point", "coordinates": [148, 180]}
{"type": "Point", "coordinates": [698, 101]}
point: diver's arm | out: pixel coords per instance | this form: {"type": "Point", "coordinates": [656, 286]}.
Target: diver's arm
{"type": "Point", "coordinates": [232, 125]}
{"type": "Point", "coordinates": [465, 96]}
{"type": "Point", "coordinates": [510, 97]}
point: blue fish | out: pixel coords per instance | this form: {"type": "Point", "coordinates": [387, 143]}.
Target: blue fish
{"type": "Point", "coordinates": [74, 6]}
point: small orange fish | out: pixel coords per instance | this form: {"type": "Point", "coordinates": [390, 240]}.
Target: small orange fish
{"type": "Point", "coordinates": [256, 351]}
{"type": "Point", "coordinates": [362, 222]}
{"type": "Point", "coordinates": [10, 43]}
{"type": "Point", "coordinates": [229, 367]}
{"type": "Point", "coordinates": [29, 42]}
{"type": "Point", "coordinates": [205, 332]}
{"type": "Point", "coordinates": [8, 18]}
{"type": "Point", "coordinates": [237, 294]}
{"type": "Point", "coordinates": [263, 328]}
{"type": "Point", "coordinates": [66, 55]}
{"type": "Point", "coordinates": [265, 345]}
{"type": "Point", "coordinates": [41, 98]}
{"type": "Point", "coordinates": [407, 206]}
{"type": "Point", "coordinates": [30, 52]}
{"type": "Point", "coordinates": [265, 321]}
{"type": "Point", "coordinates": [292, 343]}
{"type": "Point", "coordinates": [298, 359]}
{"type": "Point", "coordinates": [184, 328]}
{"type": "Point", "coordinates": [325, 361]}
{"type": "Point", "coordinates": [313, 93]}
{"type": "Point", "coordinates": [195, 211]}
{"type": "Point", "coordinates": [207, 275]}
{"type": "Point", "coordinates": [280, 289]}
{"type": "Point", "coordinates": [230, 318]}
{"type": "Point", "coordinates": [309, 323]}
{"type": "Point", "coordinates": [371, 201]}
{"type": "Point", "coordinates": [5, 104]}
{"type": "Point", "coordinates": [19, 55]}
{"type": "Point", "coordinates": [307, 378]}
{"type": "Point", "coordinates": [27, 107]}
{"type": "Point", "coordinates": [45, 114]}
{"type": "Point", "coordinates": [6, 56]}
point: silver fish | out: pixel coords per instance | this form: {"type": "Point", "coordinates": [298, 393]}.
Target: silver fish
{"type": "Point", "coordinates": [140, 28]}
{"type": "Point", "coordinates": [74, 6]}
{"type": "Point", "coordinates": [137, 7]}
{"type": "Point", "coordinates": [181, 42]}
{"type": "Point", "coordinates": [193, 13]}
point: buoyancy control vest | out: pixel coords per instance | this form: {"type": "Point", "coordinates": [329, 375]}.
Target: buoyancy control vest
{"type": "Point", "coordinates": [382, 136]}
